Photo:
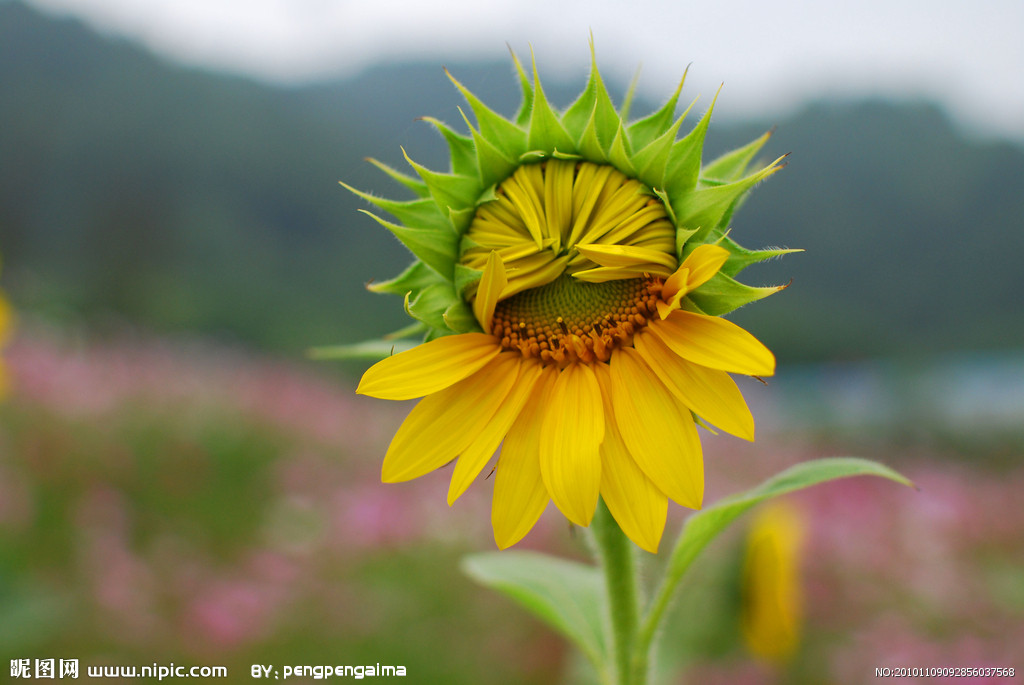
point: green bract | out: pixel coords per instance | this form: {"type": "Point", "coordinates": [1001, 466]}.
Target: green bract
{"type": "Point", "coordinates": [700, 198]}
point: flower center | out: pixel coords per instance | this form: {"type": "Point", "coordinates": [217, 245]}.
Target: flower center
{"type": "Point", "coordinates": [569, 320]}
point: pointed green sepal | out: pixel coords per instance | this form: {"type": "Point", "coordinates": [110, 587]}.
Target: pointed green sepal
{"type": "Point", "coordinates": [436, 248]}
{"type": "Point", "coordinates": [642, 133]}
{"type": "Point", "coordinates": [593, 108]}
{"type": "Point", "coordinates": [683, 167]}
{"type": "Point", "coordinates": [546, 132]}
{"type": "Point", "coordinates": [430, 304]}
{"type": "Point", "coordinates": [448, 190]}
{"type": "Point", "coordinates": [619, 153]}
{"type": "Point", "coordinates": [590, 146]}
{"type": "Point", "coordinates": [704, 209]}
{"type": "Point", "coordinates": [522, 117]}
{"type": "Point", "coordinates": [491, 163]}
{"type": "Point", "coordinates": [460, 147]}
{"type": "Point", "coordinates": [652, 160]}
{"type": "Point", "coordinates": [465, 277]}
{"type": "Point", "coordinates": [683, 236]}
{"type": "Point", "coordinates": [723, 294]}
{"type": "Point", "coordinates": [627, 99]}
{"type": "Point", "coordinates": [740, 257]}
{"type": "Point", "coordinates": [505, 135]}
{"type": "Point", "coordinates": [732, 165]}
{"type": "Point", "coordinates": [461, 218]}
{"type": "Point", "coordinates": [414, 184]}
{"type": "Point", "coordinates": [661, 195]}
{"type": "Point", "coordinates": [459, 318]}
{"type": "Point", "coordinates": [421, 213]}
{"type": "Point", "coordinates": [415, 277]}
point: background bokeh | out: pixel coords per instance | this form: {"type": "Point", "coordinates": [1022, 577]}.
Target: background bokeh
{"type": "Point", "coordinates": [178, 484]}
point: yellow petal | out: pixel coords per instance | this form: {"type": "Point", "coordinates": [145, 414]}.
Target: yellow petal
{"type": "Point", "coordinates": [492, 284]}
{"type": "Point", "coordinates": [484, 445]}
{"type": "Point", "coordinates": [535, 271]}
{"type": "Point", "coordinates": [637, 504]}
{"type": "Point", "coordinates": [570, 438]}
{"type": "Point", "coordinates": [444, 424]}
{"type": "Point", "coordinates": [558, 177]}
{"type": "Point", "coordinates": [656, 429]}
{"type": "Point", "coordinates": [602, 274]}
{"type": "Point", "coordinates": [714, 342]}
{"type": "Point", "coordinates": [703, 263]}
{"type": "Point", "coordinates": [526, 202]}
{"type": "Point", "coordinates": [428, 368]}
{"type": "Point", "coordinates": [669, 304]}
{"type": "Point", "coordinates": [625, 255]}
{"type": "Point", "coordinates": [643, 226]}
{"type": "Point", "coordinates": [707, 392]}
{"type": "Point", "coordinates": [592, 182]}
{"type": "Point", "coordinates": [520, 495]}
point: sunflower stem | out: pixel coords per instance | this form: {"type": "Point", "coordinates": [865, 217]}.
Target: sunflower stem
{"type": "Point", "coordinates": [616, 556]}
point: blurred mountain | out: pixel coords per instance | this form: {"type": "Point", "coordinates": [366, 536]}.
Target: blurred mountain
{"type": "Point", "coordinates": [133, 189]}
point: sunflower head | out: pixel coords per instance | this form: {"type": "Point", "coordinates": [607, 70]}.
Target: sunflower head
{"type": "Point", "coordinates": [570, 270]}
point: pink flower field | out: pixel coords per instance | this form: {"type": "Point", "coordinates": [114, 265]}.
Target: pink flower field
{"type": "Point", "coordinates": [176, 501]}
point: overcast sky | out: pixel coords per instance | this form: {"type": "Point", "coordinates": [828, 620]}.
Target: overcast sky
{"type": "Point", "coordinates": [771, 56]}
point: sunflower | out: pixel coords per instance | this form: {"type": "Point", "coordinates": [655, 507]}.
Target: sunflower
{"type": "Point", "coordinates": [570, 276]}
{"type": "Point", "coordinates": [771, 615]}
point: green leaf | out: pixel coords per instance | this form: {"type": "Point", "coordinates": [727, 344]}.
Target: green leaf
{"type": "Point", "coordinates": [732, 165]}
{"type": "Point", "coordinates": [371, 349]}
{"type": "Point", "coordinates": [705, 525]}
{"type": "Point", "coordinates": [566, 595]}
